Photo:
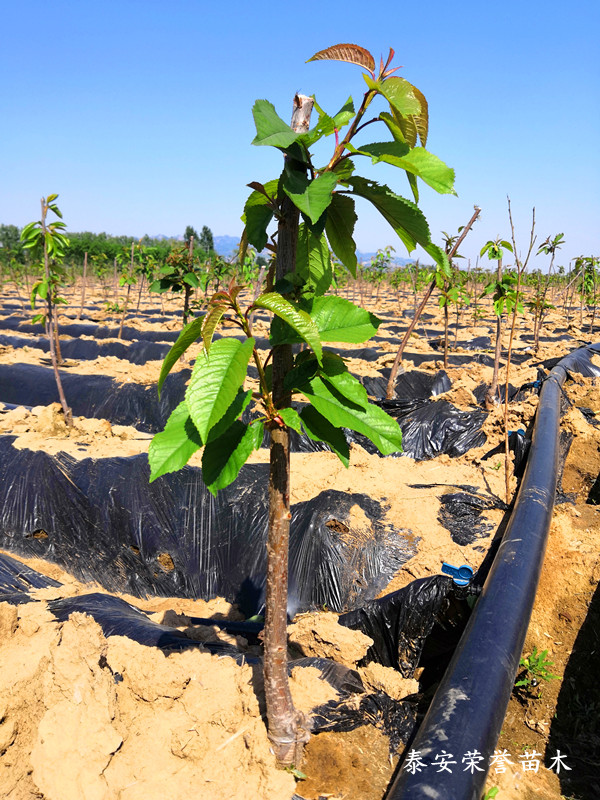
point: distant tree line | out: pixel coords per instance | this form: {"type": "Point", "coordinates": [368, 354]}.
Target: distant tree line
{"type": "Point", "coordinates": [103, 244]}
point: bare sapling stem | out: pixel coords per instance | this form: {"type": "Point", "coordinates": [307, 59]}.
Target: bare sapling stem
{"type": "Point", "coordinates": [124, 312]}
{"type": "Point", "coordinates": [186, 287]}
{"type": "Point", "coordinates": [83, 278]}
{"type": "Point", "coordinates": [396, 365]}
{"type": "Point", "coordinates": [521, 267]}
{"type": "Point", "coordinates": [288, 730]}
{"type": "Point", "coordinates": [490, 397]}
{"type": "Point", "coordinates": [140, 293]}
{"type": "Point", "coordinates": [446, 321]}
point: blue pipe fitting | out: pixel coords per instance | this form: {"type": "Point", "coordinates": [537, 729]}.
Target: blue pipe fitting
{"type": "Point", "coordinates": [461, 576]}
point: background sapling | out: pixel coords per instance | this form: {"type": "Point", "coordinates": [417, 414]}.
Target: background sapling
{"type": "Point", "coordinates": [46, 239]}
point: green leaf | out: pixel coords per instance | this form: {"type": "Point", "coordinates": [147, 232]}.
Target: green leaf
{"type": "Point", "coordinates": [440, 257]}
{"type": "Point", "coordinates": [319, 429]}
{"type": "Point", "coordinates": [315, 197]}
{"type": "Point", "coordinates": [191, 332]}
{"type": "Point", "coordinates": [211, 322]}
{"type": "Point", "coordinates": [371, 421]}
{"type": "Point", "coordinates": [337, 319]}
{"type": "Point", "coordinates": [42, 289]}
{"type": "Point", "coordinates": [299, 320]}
{"type": "Point", "coordinates": [270, 128]}
{"type": "Point", "coordinates": [191, 280]}
{"type": "Point", "coordinates": [345, 114]}
{"type": "Point", "coordinates": [216, 380]}
{"type": "Point", "coordinates": [429, 168]}
{"type": "Point", "coordinates": [30, 232]}
{"type": "Point", "coordinates": [291, 418]}
{"type": "Point", "coordinates": [344, 169]}
{"type": "Point", "coordinates": [235, 410]}
{"type": "Point", "coordinates": [405, 217]}
{"type": "Point", "coordinates": [51, 197]}
{"type": "Point", "coordinates": [224, 457]}
{"type": "Point", "coordinates": [313, 262]}
{"type": "Point", "coordinates": [389, 152]}
{"type": "Point", "coordinates": [401, 96]}
{"type": "Point", "coordinates": [258, 215]}
{"type": "Point", "coordinates": [171, 449]}
{"type": "Point", "coordinates": [339, 227]}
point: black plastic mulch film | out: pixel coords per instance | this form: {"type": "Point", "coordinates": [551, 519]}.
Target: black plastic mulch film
{"type": "Point", "coordinates": [173, 538]}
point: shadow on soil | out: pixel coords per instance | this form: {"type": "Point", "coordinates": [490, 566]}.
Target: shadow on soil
{"type": "Point", "coordinates": [575, 729]}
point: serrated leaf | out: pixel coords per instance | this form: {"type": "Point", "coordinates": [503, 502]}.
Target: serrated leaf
{"type": "Point", "coordinates": [414, 126]}
{"type": "Point", "coordinates": [344, 169]}
{"type": "Point", "coordinates": [339, 227]}
{"type": "Point", "coordinates": [389, 152]}
{"type": "Point", "coordinates": [351, 53]}
{"type": "Point", "coordinates": [371, 421]}
{"type": "Point", "coordinates": [224, 457]}
{"type": "Point", "coordinates": [235, 410]}
{"type": "Point", "coordinates": [428, 167]}
{"type": "Point", "coordinates": [216, 380]}
{"type": "Point", "coordinates": [401, 96]}
{"type": "Point", "coordinates": [211, 322]}
{"type": "Point", "coordinates": [337, 320]}
{"type": "Point", "coordinates": [191, 279]}
{"type": "Point", "coordinates": [313, 262]}
{"type": "Point", "coordinates": [345, 114]}
{"type": "Point", "coordinates": [270, 128]}
{"type": "Point", "coordinates": [314, 198]}
{"type": "Point", "coordinates": [405, 217]}
{"type": "Point", "coordinates": [440, 257]}
{"type": "Point", "coordinates": [291, 418]}
{"type": "Point", "coordinates": [296, 318]}
{"type": "Point", "coordinates": [191, 332]}
{"type": "Point", "coordinates": [172, 448]}
{"type": "Point", "coordinates": [319, 429]}
{"type": "Point", "coordinates": [258, 215]}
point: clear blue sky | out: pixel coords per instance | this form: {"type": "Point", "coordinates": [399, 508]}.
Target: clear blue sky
{"type": "Point", "coordinates": [138, 112]}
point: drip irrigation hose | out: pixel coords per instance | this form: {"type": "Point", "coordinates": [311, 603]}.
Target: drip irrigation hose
{"type": "Point", "coordinates": [467, 711]}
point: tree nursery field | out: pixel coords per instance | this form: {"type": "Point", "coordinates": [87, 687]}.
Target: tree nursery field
{"type": "Point", "coordinates": [99, 700]}
{"type": "Point", "coordinates": [288, 526]}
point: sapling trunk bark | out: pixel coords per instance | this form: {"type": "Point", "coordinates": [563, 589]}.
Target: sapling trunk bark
{"type": "Point", "coordinates": [124, 312]}
{"type": "Point", "coordinates": [490, 397]}
{"type": "Point", "coordinates": [287, 727]}
{"type": "Point", "coordinates": [396, 365]}
{"type": "Point", "coordinates": [140, 294]}
{"type": "Point", "coordinates": [83, 278]}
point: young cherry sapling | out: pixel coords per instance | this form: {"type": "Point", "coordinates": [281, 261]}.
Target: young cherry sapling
{"type": "Point", "coordinates": [209, 416]}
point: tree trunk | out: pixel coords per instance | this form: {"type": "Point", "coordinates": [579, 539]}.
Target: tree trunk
{"type": "Point", "coordinates": [83, 277]}
{"type": "Point", "coordinates": [124, 312]}
{"type": "Point", "coordinates": [137, 310]}
{"type": "Point", "coordinates": [490, 397]}
{"type": "Point", "coordinates": [446, 313]}
{"type": "Point", "coordinates": [186, 302]}
{"type": "Point", "coordinates": [287, 728]}
{"type": "Point", "coordinates": [396, 365]}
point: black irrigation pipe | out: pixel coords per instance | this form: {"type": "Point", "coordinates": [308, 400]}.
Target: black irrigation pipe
{"type": "Point", "coordinates": [467, 711]}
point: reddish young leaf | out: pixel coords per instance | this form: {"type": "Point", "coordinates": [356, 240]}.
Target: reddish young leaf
{"type": "Point", "coordinates": [351, 53]}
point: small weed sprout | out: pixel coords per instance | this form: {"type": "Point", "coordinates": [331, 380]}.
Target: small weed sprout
{"type": "Point", "coordinates": [535, 670]}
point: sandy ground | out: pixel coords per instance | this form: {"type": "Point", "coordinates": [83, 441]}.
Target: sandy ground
{"type": "Point", "coordinates": [83, 716]}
